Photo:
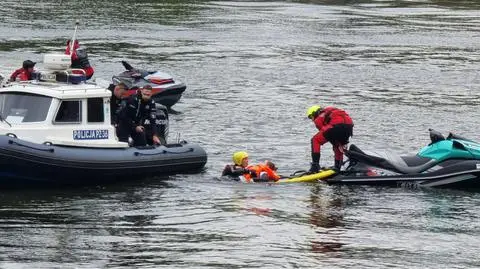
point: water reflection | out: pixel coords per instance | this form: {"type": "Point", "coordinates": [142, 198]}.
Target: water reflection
{"type": "Point", "coordinates": [451, 206]}
{"type": "Point", "coordinates": [327, 215]}
{"type": "Point", "coordinates": [254, 203]}
{"type": "Point", "coordinates": [326, 208]}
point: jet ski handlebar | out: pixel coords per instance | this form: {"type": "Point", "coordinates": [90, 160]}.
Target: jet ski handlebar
{"type": "Point", "coordinates": [436, 136]}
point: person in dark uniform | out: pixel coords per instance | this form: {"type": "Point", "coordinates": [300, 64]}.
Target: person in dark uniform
{"type": "Point", "coordinates": [118, 95]}
{"type": "Point", "coordinates": [137, 119]}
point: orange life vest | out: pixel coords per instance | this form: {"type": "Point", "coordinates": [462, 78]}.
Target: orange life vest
{"type": "Point", "coordinates": [264, 169]}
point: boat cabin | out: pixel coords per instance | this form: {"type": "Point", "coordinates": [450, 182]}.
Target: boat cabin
{"type": "Point", "coordinates": [58, 107]}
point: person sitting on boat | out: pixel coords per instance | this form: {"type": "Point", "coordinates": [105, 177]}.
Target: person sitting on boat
{"type": "Point", "coordinates": [335, 126]}
{"type": "Point", "coordinates": [241, 171]}
{"type": "Point", "coordinates": [24, 73]}
{"type": "Point", "coordinates": [137, 119]}
{"type": "Point", "coordinates": [79, 58]}
{"type": "Point", "coordinates": [118, 95]}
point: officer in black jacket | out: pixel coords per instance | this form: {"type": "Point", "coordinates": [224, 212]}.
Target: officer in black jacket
{"type": "Point", "coordinates": [137, 118]}
{"type": "Point", "coordinates": [118, 95]}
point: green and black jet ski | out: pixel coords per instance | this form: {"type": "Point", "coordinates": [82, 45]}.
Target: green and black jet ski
{"type": "Point", "coordinates": [452, 162]}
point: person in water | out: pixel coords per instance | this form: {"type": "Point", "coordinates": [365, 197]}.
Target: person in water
{"type": "Point", "coordinates": [24, 73]}
{"type": "Point", "coordinates": [79, 58]}
{"type": "Point", "coordinates": [239, 166]}
{"type": "Point", "coordinates": [242, 171]}
{"type": "Point", "coordinates": [137, 118]}
{"type": "Point", "coordinates": [335, 126]}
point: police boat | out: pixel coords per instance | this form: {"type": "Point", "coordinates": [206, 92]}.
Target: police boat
{"type": "Point", "coordinates": [56, 130]}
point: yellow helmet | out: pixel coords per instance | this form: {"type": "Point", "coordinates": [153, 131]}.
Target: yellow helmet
{"type": "Point", "coordinates": [239, 156]}
{"type": "Point", "coordinates": [312, 110]}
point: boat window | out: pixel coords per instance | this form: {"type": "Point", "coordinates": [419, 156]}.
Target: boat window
{"type": "Point", "coordinates": [95, 110]}
{"type": "Point", "coordinates": [16, 107]}
{"type": "Point", "coordinates": [70, 111]}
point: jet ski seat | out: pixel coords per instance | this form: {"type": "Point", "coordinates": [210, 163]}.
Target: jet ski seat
{"type": "Point", "coordinates": [401, 164]}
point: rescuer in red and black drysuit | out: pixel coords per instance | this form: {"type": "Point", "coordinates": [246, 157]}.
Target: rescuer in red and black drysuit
{"type": "Point", "coordinates": [335, 126]}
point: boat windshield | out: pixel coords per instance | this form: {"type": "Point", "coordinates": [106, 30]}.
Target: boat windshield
{"type": "Point", "coordinates": [18, 107]}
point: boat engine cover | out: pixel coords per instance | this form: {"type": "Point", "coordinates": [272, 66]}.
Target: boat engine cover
{"type": "Point", "coordinates": [57, 61]}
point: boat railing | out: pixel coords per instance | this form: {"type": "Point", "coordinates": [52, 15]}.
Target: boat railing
{"type": "Point", "coordinates": [52, 77]}
{"type": "Point", "coordinates": [69, 76]}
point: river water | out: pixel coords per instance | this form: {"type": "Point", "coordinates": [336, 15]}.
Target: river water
{"type": "Point", "coordinates": [252, 69]}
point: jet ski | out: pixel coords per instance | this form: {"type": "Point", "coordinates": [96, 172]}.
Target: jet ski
{"type": "Point", "coordinates": [166, 90]}
{"type": "Point", "coordinates": [451, 162]}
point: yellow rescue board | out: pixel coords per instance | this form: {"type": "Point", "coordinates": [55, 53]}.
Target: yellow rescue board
{"type": "Point", "coordinates": [308, 178]}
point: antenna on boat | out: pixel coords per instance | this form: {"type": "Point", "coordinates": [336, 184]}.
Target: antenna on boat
{"type": "Point", "coordinates": [77, 22]}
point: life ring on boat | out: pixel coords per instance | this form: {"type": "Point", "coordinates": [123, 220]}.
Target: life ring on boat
{"type": "Point", "coordinates": [47, 143]}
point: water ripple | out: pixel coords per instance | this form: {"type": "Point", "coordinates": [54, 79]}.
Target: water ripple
{"type": "Point", "coordinates": [252, 68]}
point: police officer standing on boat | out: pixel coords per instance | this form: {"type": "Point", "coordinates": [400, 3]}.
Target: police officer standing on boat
{"type": "Point", "coordinates": [118, 95]}
{"type": "Point", "coordinates": [137, 118]}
